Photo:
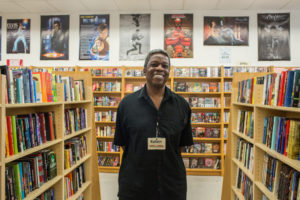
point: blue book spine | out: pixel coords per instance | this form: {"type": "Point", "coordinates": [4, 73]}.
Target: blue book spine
{"type": "Point", "coordinates": [21, 178]}
{"type": "Point", "coordinates": [289, 89]}
{"type": "Point", "coordinates": [19, 87]}
{"type": "Point", "coordinates": [26, 90]}
{"type": "Point", "coordinates": [273, 140]}
{"type": "Point", "coordinates": [27, 133]}
{"type": "Point", "coordinates": [282, 142]}
{"type": "Point", "coordinates": [265, 130]}
{"type": "Point", "coordinates": [34, 90]}
{"type": "Point", "coordinates": [31, 86]}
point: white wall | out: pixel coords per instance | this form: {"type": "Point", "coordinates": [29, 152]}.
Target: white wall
{"type": "Point", "coordinates": [203, 55]}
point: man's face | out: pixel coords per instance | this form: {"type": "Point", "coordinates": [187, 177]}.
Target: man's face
{"type": "Point", "coordinates": [56, 27]}
{"type": "Point", "coordinates": [157, 70]}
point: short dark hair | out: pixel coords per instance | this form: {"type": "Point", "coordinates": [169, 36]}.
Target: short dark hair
{"type": "Point", "coordinates": [57, 22]}
{"type": "Point", "coordinates": [156, 51]}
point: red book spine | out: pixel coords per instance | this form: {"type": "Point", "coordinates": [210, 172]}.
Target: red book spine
{"type": "Point", "coordinates": [51, 126]}
{"type": "Point", "coordinates": [9, 132]}
{"type": "Point", "coordinates": [42, 127]}
{"type": "Point", "coordinates": [287, 132]}
{"type": "Point", "coordinates": [282, 83]}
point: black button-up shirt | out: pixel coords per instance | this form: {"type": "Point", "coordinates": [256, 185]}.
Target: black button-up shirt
{"type": "Point", "coordinates": [144, 172]}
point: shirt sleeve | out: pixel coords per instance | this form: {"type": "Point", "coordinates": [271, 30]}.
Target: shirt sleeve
{"type": "Point", "coordinates": [186, 135]}
{"type": "Point", "coordinates": [120, 139]}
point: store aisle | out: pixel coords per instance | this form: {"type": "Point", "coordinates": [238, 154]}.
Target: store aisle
{"type": "Point", "coordinates": [199, 187]}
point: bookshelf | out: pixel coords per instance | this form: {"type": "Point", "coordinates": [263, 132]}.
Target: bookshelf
{"type": "Point", "coordinates": [260, 150]}
{"type": "Point", "coordinates": [57, 145]}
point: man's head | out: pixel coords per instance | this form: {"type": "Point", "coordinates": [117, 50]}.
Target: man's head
{"type": "Point", "coordinates": [157, 67]}
{"type": "Point", "coordinates": [56, 25]}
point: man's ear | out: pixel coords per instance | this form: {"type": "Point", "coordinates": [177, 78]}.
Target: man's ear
{"type": "Point", "coordinates": [144, 71]}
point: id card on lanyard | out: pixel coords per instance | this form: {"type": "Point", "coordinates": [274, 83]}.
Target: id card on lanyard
{"type": "Point", "coordinates": [157, 143]}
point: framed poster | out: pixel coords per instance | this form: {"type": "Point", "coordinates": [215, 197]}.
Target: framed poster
{"type": "Point", "coordinates": [226, 31]}
{"type": "Point", "coordinates": [55, 37]}
{"type": "Point", "coordinates": [94, 37]}
{"type": "Point", "coordinates": [273, 36]}
{"type": "Point", "coordinates": [134, 36]}
{"type": "Point", "coordinates": [178, 35]}
{"type": "Point", "coordinates": [18, 36]}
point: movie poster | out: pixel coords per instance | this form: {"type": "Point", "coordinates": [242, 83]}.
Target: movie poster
{"type": "Point", "coordinates": [273, 36]}
{"type": "Point", "coordinates": [178, 40]}
{"type": "Point", "coordinates": [134, 36]}
{"type": "Point", "coordinates": [94, 37]}
{"type": "Point", "coordinates": [18, 36]}
{"type": "Point", "coordinates": [226, 31]}
{"type": "Point", "coordinates": [55, 37]}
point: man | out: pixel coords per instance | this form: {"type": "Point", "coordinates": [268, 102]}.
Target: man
{"type": "Point", "coordinates": [57, 38]}
{"type": "Point", "coordinates": [20, 37]}
{"type": "Point", "coordinates": [135, 42]}
{"type": "Point", "coordinates": [152, 126]}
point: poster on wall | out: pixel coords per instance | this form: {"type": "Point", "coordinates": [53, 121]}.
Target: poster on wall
{"type": "Point", "coordinates": [55, 37]}
{"type": "Point", "coordinates": [134, 36]}
{"type": "Point", "coordinates": [94, 37]}
{"type": "Point", "coordinates": [0, 36]}
{"type": "Point", "coordinates": [273, 36]}
{"type": "Point", "coordinates": [226, 31]}
{"type": "Point", "coordinates": [178, 35]}
{"type": "Point", "coordinates": [18, 36]}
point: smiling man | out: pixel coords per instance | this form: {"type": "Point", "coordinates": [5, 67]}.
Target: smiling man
{"type": "Point", "coordinates": [152, 124]}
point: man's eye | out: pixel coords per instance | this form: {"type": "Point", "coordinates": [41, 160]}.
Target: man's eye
{"type": "Point", "coordinates": [166, 66]}
{"type": "Point", "coordinates": [153, 65]}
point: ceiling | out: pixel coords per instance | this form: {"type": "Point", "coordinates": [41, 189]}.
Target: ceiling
{"type": "Point", "coordinates": [42, 6]}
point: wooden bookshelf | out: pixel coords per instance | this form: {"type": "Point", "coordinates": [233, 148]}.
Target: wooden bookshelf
{"type": "Point", "coordinates": [91, 185]}
{"type": "Point", "coordinates": [230, 190]}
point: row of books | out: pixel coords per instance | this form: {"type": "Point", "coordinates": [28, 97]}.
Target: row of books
{"type": "Point", "coordinates": [245, 185]}
{"type": "Point", "coordinates": [227, 100]}
{"type": "Point", "coordinates": [131, 87]}
{"type": "Point", "coordinates": [101, 86]}
{"type": "Point", "coordinates": [53, 69]}
{"type": "Point", "coordinates": [202, 163]}
{"type": "Point", "coordinates": [204, 102]}
{"type": "Point", "coordinates": [107, 146]}
{"type": "Point", "coordinates": [227, 86]}
{"type": "Point", "coordinates": [246, 89]}
{"type": "Point", "coordinates": [109, 161]}
{"type": "Point", "coordinates": [282, 135]}
{"type": "Point", "coordinates": [245, 120]}
{"type": "Point", "coordinates": [206, 132]}
{"type": "Point", "coordinates": [288, 184]}
{"type": "Point", "coordinates": [74, 181]}
{"type": "Point", "coordinates": [48, 195]}
{"type": "Point", "coordinates": [75, 120]}
{"type": "Point", "coordinates": [134, 73]}
{"type": "Point", "coordinates": [244, 154]}
{"type": "Point", "coordinates": [105, 116]}
{"type": "Point", "coordinates": [203, 147]}
{"type": "Point", "coordinates": [105, 131]}
{"type": "Point", "coordinates": [107, 72]}
{"type": "Point", "coordinates": [25, 86]}
{"type": "Point", "coordinates": [106, 101]}
{"type": "Point", "coordinates": [29, 173]}
{"type": "Point", "coordinates": [282, 89]}
{"type": "Point", "coordinates": [196, 86]}
{"type": "Point", "coordinates": [269, 171]}
{"type": "Point", "coordinates": [228, 70]}
{"type": "Point", "coordinates": [197, 72]}
{"type": "Point", "coordinates": [75, 150]}
{"type": "Point", "coordinates": [226, 116]}
{"type": "Point", "coordinates": [73, 89]}
{"type": "Point", "coordinates": [27, 131]}
{"type": "Point", "coordinates": [205, 117]}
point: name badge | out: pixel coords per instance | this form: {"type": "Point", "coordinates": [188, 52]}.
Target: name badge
{"type": "Point", "coordinates": [156, 143]}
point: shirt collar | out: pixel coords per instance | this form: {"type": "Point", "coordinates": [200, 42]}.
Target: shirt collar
{"type": "Point", "coordinates": [143, 93]}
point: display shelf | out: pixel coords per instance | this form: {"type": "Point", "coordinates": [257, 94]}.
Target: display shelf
{"type": "Point", "coordinates": [32, 150]}
{"type": "Point", "coordinates": [197, 78]}
{"type": "Point", "coordinates": [207, 139]}
{"type": "Point", "coordinates": [106, 78]}
{"type": "Point", "coordinates": [292, 163]}
{"type": "Point", "coordinates": [227, 93]}
{"type": "Point", "coordinates": [280, 108]}
{"type": "Point", "coordinates": [31, 105]}
{"type": "Point", "coordinates": [140, 78]}
{"type": "Point", "coordinates": [108, 153]}
{"type": "Point", "coordinates": [80, 191]}
{"type": "Point", "coordinates": [67, 171]}
{"type": "Point", "coordinates": [77, 102]}
{"type": "Point", "coordinates": [203, 108]}
{"type": "Point", "coordinates": [67, 137]}
{"type": "Point", "coordinates": [265, 191]}
{"type": "Point", "coordinates": [105, 137]}
{"type": "Point", "coordinates": [237, 193]}
{"type": "Point", "coordinates": [243, 104]}
{"type": "Point", "coordinates": [244, 169]}
{"type": "Point", "coordinates": [199, 154]}
{"type": "Point", "coordinates": [34, 194]}
{"type": "Point", "coordinates": [108, 169]}
{"type": "Point", "coordinates": [105, 107]}
{"type": "Point", "coordinates": [248, 139]}
{"type": "Point", "coordinates": [105, 123]}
